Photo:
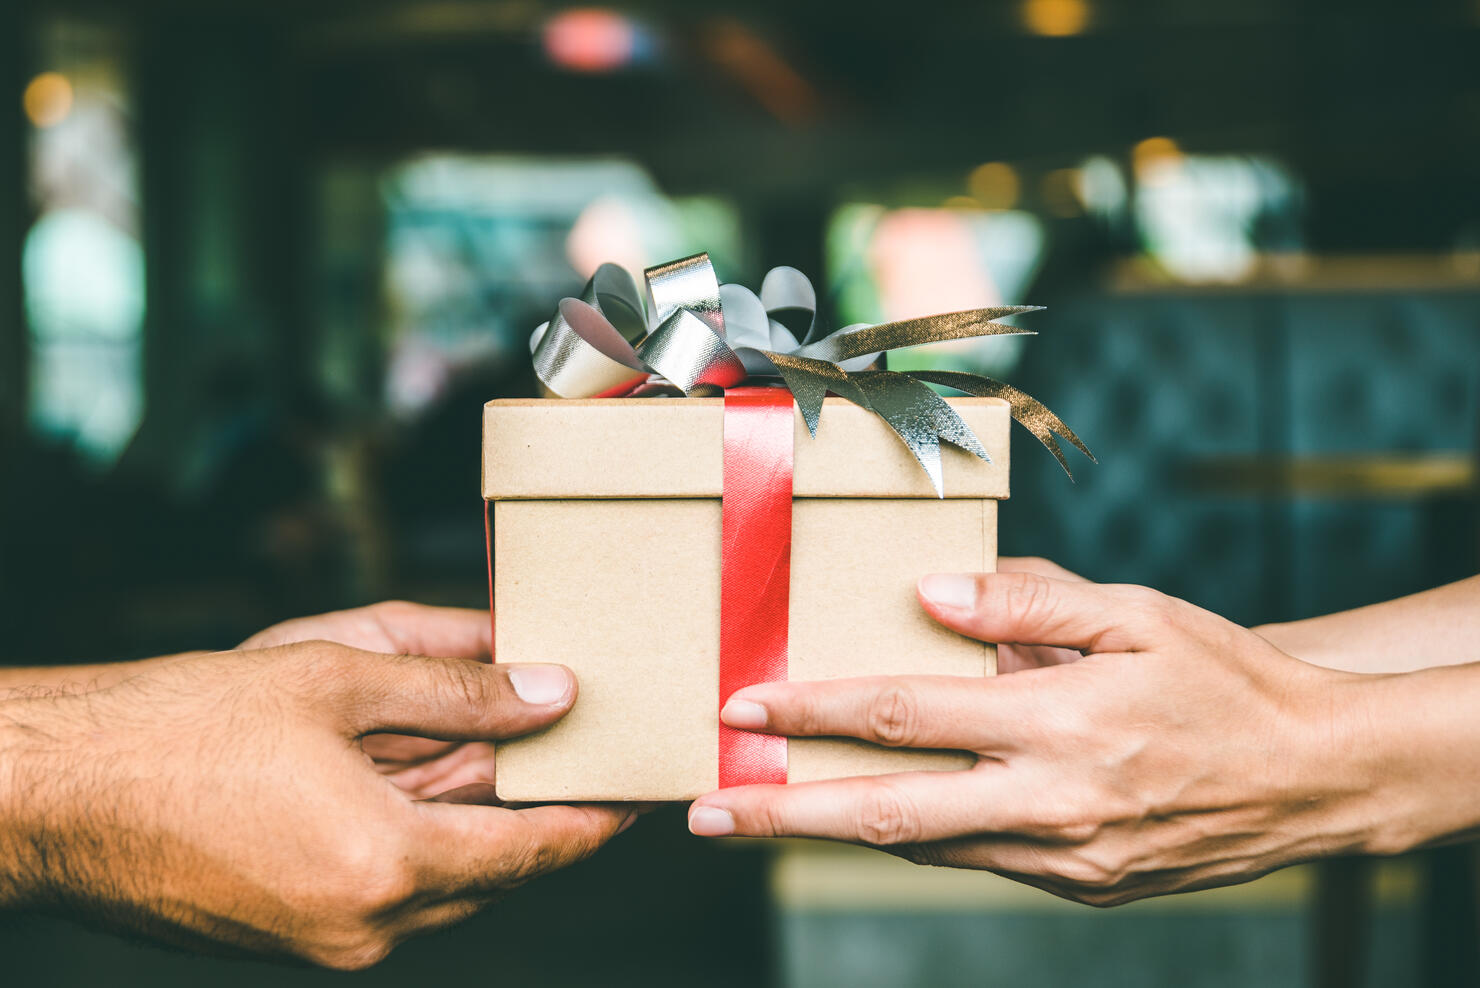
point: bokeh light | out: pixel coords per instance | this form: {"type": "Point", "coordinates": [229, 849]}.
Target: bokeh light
{"type": "Point", "coordinates": [924, 260]}
{"type": "Point", "coordinates": [1056, 18]}
{"type": "Point", "coordinates": [48, 99]}
{"type": "Point", "coordinates": [607, 230]}
{"type": "Point", "coordinates": [590, 39]}
{"type": "Point", "coordinates": [1155, 160]}
{"type": "Point", "coordinates": [762, 71]}
{"type": "Point", "coordinates": [995, 185]}
{"type": "Point", "coordinates": [1062, 192]}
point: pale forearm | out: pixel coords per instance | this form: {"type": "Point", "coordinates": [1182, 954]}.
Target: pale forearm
{"type": "Point", "coordinates": [1439, 627]}
{"type": "Point", "coordinates": [1425, 728]}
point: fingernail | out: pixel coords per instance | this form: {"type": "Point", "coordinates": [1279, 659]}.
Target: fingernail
{"type": "Point", "coordinates": [956, 590]}
{"type": "Point", "coordinates": [540, 685]}
{"type": "Point", "coordinates": [709, 821]}
{"type": "Point", "coordinates": [744, 714]}
{"type": "Point", "coordinates": [627, 823]}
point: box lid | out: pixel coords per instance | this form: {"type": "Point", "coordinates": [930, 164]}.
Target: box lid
{"type": "Point", "coordinates": [673, 447]}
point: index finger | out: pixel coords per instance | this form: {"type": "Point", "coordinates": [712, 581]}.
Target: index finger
{"type": "Point", "coordinates": [422, 629]}
{"type": "Point", "coordinates": [1025, 608]}
{"type": "Point", "coordinates": [975, 714]}
{"type": "Point", "coordinates": [390, 626]}
{"type": "Point", "coordinates": [882, 811]}
{"type": "Point", "coordinates": [484, 849]}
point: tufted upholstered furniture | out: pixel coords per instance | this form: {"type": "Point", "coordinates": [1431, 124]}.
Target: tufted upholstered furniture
{"type": "Point", "coordinates": [1171, 390]}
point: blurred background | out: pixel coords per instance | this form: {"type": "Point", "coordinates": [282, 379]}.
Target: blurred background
{"type": "Point", "coordinates": [261, 263]}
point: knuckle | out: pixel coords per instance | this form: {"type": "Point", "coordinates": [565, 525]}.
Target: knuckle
{"type": "Point", "coordinates": [384, 888]}
{"type": "Point", "coordinates": [356, 894]}
{"type": "Point", "coordinates": [1063, 823]}
{"type": "Point", "coordinates": [1094, 873]}
{"type": "Point", "coordinates": [1026, 598]}
{"type": "Point", "coordinates": [1105, 900]}
{"type": "Point", "coordinates": [532, 859]}
{"type": "Point", "coordinates": [1078, 832]}
{"type": "Point", "coordinates": [392, 611]}
{"type": "Point", "coordinates": [352, 952]}
{"type": "Point", "coordinates": [324, 662]}
{"type": "Point", "coordinates": [467, 684]}
{"type": "Point", "coordinates": [1084, 875]}
{"type": "Point", "coordinates": [368, 879]}
{"type": "Point", "coordinates": [1156, 606]}
{"type": "Point", "coordinates": [893, 715]}
{"type": "Point", "coordinates": [312, 670]}
{"type": "Point", "coordinates": [886, 818]}
{"type": "Point", "coordinates": [770, 818]}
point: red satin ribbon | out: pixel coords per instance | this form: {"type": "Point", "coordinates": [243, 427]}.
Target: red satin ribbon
{"type": "Point", "coordinates": [755, 579]}
{"type": "Point", "coordinates": [755, 582]}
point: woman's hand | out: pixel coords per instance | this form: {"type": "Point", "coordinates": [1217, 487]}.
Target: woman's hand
{"type": "Point", "coordinates": [1014, 657]}
{"type": "Point", "coordinates": [1180, 752]}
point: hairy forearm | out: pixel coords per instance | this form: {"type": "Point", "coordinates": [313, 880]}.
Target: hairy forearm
{"type": "Point", "coordinates": [39, 758]}
{"type": "Point", "coordinates": [20, 802]}
{"type": "Point", "coordinates": [1439, 627]}
{"type": "Point", "coordinates": [64, 678]}
{"type": "Point", "coordinates": [34, 680]}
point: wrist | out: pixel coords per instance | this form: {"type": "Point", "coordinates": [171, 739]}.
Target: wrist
{"type": "Point", "coordinates": [1323, 766]}
{"type": "Point", "coordinates": [1423, 741]}
{"type": "Point", "coordinates": [21, 805]}
{"type": "Point", "coordinates": [1305, 642]}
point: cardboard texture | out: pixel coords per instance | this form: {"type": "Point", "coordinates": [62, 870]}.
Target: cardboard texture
{"type": "Point", "coordinates": [625, 587]}
{"type": "Point", "coordinates": [674, 447]}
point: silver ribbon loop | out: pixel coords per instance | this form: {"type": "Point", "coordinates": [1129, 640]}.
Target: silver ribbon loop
{"type": "Point", "coordinates": [688, 283]}
{"type": "Point", "coordinates": [699, 337]}
{"type": "Point", "coordinates": [571, 364]}
{"type": "Point", "coordinates": [614, 294]}
{"type": "Point", "coordinates": [689, 354]}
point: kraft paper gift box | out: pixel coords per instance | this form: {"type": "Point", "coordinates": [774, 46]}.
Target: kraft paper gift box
{"type": "Point", "coordinates": [606, 557]}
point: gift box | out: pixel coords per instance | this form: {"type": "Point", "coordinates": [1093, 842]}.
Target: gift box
{"type": "Point", "coordinates": [673, 550]}
{"type": "Point", "coordinates": [606, 556]}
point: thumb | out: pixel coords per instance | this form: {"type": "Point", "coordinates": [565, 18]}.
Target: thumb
{"type": "Point", "coordinates": [447, 699]}
{"type": "Point", "coordinates": [1025, 608]}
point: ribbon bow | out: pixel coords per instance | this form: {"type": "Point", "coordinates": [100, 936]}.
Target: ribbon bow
{"type": "Point", "coordinates": [696, 336]}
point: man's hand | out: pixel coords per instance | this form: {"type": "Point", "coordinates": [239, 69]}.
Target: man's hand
{"type": "Point", "coordinates": [422, 767]}
{"type": "Point", "coordinates": [1180, 752]}
{"type": "Point", "coordinates": [225, 800]}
